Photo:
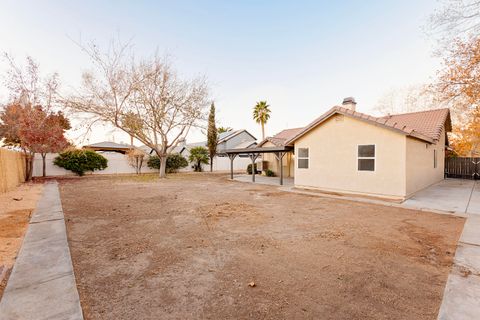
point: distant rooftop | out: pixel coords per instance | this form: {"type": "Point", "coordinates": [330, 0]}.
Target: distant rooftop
{"type": "Point", "coordinates": [108, 144]}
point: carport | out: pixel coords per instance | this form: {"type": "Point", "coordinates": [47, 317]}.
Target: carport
{"type": "Point", "coordinates": [254, 153]}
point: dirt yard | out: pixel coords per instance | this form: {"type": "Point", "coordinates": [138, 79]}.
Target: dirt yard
{"type": "Point", "coordinates": [16, 207]}
{"type": "Point", "coordinates": [202, 247]}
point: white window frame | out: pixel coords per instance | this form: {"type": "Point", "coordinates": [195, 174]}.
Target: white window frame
{"type": "Point", "coordinates": [303, 158]}
{"type": "Point", "coordinates": [374, 157]}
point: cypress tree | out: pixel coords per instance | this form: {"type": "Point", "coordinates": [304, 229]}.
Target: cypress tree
{"type": "Point", "coordinates": [212, 135]}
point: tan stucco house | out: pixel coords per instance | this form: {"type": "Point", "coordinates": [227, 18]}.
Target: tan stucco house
{"type": "Point", "coordinates": [350, 152]}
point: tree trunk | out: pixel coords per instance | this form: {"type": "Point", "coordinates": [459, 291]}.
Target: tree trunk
{"type": "Point", "coordinates": [163, 166]}
{"type": "Point", "coordinates": [44, 167]}
{"type": "Point", "coordinates": [29, 166]}
{"type": "Point", "coordinates": [211, 164]}
{"type": "Point", "coordinates": [263, 131]}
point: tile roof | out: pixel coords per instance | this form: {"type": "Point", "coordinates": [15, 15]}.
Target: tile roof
{"type": "Point", "coordinates": [429, 123]}
{"type": "Point", "coordinates": [280, 138]}
{"type": "Point", "coordinates": [423, 125]}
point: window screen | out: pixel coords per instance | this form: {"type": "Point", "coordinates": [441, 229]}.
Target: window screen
{"type": "Point", "coordinates": [303, 158]}
{"type": "Point", "coordinates": [366, 157]}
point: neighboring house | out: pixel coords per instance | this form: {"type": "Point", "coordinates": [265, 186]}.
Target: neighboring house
{"type": "Point", "coordinates": [234, 139]}
{"type": "Point", "coordinates": [179, 148]}
{"type": "Point", "coordinates": [392, 156]}
{"type": "Point", "coordinates": [270, 161]}
{"type": "Point", "coordinates": [109, 146]}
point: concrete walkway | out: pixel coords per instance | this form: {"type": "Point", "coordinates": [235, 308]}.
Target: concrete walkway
{"type": "Point", "coordinates": [461, 298]}
{"type": "Point", "coordinates": [42, 284]}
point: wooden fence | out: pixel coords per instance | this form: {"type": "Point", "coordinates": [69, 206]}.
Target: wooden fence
{"type": "Point", "coordinates": [462, 167]}
{"type": "Point", "coordinates": [12, 169]}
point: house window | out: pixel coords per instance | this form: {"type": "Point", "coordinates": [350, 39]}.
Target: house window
{"type": "Point", "coordinates": [434, 158]}
{"type": "Point", "coordinates": [366, 157]}
{"type": "Point", "coordinates": [302, 158]}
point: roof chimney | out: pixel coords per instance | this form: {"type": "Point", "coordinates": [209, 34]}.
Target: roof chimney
{"type": "Point", "coordinates": [349, 103]}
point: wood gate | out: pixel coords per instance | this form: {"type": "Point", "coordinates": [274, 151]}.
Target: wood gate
{"type": "Point", "coordinates": [462, 167]}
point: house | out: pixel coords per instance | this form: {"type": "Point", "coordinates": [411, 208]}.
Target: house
{"type": "Point", "coordinates": [109, 146]}
{"type": "Point", "coordinates": [349, 152]}
{"type": "Point", "coordinates": [233, 139]}
{"type": "Point", "coordinates": [270, 161]}
{"type": "Point", "coordinates": [392, 156]}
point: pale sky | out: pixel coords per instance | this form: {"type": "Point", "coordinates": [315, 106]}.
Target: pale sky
{"type": "Point", "coordinates": [303, 57]}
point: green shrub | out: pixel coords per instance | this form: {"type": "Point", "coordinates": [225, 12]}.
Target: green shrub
{"type": "Point", "coordinates": [175, 161]}
{"type": "Point", "coordinates": [153, 162]}
{"type": "Point", "coordinates": [80, 161]}
{"type": "Point", "coordinates": [269, 173]}
{"type": "Point", "coordinates": [249, 168]}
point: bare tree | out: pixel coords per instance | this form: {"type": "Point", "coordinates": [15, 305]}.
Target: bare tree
{"type": "Point", "coordinates": [455, 19]}
{"type": "Point", "coordinates": [136, 159]}
{"type": "Point", "coordinates": [145, 99]}
{"type": "Point", "coordinates": [32, 97]}
{"type": "Point", "coordinates": [27, 87]}
{"type": "Point", "coordinates": [409, 99]}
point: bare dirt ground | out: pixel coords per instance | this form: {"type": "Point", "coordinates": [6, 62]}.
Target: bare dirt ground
{"type": "Point", "coordinates": [16, 207]}
{"type": "Point", "coordinates": [188, 247]}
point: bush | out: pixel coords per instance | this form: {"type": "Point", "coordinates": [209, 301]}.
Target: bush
{"type": "Point", "coordinates": [175, 161]}
{"type": "Point", "coordinates": [249, 169]}
{"type": "Point", "coordinates": [153, 162]}
{"type": "Point", "coordinates": [269, 173]}
{"type": "Point", "coordinates": [80, 161]}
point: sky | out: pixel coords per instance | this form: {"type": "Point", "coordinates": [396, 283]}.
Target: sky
{"type": "Point", "coordinates": [302, 57]}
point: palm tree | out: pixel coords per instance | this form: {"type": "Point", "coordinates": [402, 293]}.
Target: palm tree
{"type": "Point", "coordinates": [261, 114]}
{"type": "Point", "coordinates": [199, 156]}
{"type": "Point", "coordinates": [223, 129]}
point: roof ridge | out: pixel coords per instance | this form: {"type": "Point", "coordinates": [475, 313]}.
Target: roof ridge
{"type": "Point", "coordinates": [414, 112]}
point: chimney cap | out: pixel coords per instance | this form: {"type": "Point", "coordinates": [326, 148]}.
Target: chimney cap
{"type": "Point", "coordinates": [349, 100]}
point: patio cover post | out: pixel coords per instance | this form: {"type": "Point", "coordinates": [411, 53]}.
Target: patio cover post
{"type": "Point", "coordinates": [231, 156]}
{"type": "Point", "coordinates": [254, 157]}
{"type": "Point", "coordinates": [279, 156]}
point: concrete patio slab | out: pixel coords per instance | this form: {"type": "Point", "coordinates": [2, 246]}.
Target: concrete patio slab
{"type": "Point", "coordinates": [42, 284]}
{"type": "Point", "coordinates": [450, 195]}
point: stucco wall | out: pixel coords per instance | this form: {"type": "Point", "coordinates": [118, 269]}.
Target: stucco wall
{"type": "Point", "coordinates": [273, 164]}
{"type": "Point", "coordinates": [420, 164]}
{"type": "Point", "coordinates": [333, 159]}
